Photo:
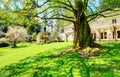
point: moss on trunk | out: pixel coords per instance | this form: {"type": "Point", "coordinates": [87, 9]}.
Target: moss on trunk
{"type": "Point", "coordinates": [82, 33]}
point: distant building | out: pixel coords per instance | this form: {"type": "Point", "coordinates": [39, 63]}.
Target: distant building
{"type": "Point", "coordinates": [68, 34]}
{"type": "Point", "coordinates": [106, 29]}
{"type": "Point", "coordinates": [102, 29]}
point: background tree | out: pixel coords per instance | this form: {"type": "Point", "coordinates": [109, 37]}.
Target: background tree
{"type": "Point", "coordinates": [16, 35]}
{"type": "Point", "coordinates": [15, 12]}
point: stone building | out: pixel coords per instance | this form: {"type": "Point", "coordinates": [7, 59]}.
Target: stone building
{"type": "Point", "coordinates": [68, 34]}
{"type": "Point", "coordinates": [102, 28]}
{"type": "Point", "coordinates": [106, 29]}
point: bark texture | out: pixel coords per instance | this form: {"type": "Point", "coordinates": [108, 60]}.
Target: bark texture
{"type": "Point", "coordinates": [82, 32]}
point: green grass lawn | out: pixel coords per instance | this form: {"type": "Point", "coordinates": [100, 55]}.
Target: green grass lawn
{"type": "Point", "coordinates": [30, 60]}
{"type": "Point", "coordinates": [12, 55]}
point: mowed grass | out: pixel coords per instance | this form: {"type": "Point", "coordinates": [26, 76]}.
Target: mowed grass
{"type": "Point", "coordinates": [39, 63]}
{"type": "Point", "coordinates": [10, 55]}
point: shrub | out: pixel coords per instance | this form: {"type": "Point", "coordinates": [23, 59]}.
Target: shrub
{"type": "Point", "coordinates": [42, 37]}
{"type": "Point", "coordinates": [29, 38]}
{"type": "Point", "coordinates": [53, 39]}
{"type": "Point", "coordinates": [16, 34]}
{"type": "Point", "coordinates": [4, 42]}
{"type": "Point", "coordinates": [34, 37]}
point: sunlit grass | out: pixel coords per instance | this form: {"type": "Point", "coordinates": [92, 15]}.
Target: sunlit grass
{"type": "Point", "coordinates": [12, 55]}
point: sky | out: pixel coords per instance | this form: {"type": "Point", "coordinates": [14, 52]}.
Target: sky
{"type": "Point", "coordinates": [93, 4]}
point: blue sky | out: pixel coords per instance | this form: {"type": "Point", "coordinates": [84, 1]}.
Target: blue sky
{"type": "Point", "coordinates": [93, 4]}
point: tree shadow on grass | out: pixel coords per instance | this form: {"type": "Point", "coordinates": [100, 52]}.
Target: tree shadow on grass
{"type": "Point", "coordinates": [112, 46]}
{"type": "Point", "coordinates": [102, 70]}
{"type": "Point", "coordinates": [110, 54]}
{"type": "Point", "coordinates": [112, 50]}
{"type": "Point", "coordinates": [45, 65]}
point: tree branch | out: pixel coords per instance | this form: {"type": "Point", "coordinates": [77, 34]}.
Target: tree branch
{"type": "Point", "coordinates": [102, 13]}
{"type": "Point", "coordinates": [39, 5]}
{"type": "Point", "coordinates": [67, 5]}
{"type": "Point", "coordinates": [99, 13]}
{"type": "Point", "coordinates": [55, 7]}
{"type": "Point", "coordinates": [85, 3]}
{"type": "Point", "coordinates": [91, 9]}
{"type": "Point", "coordinates": [66, 16]}
{"type": "Point", "coordinates": [95, 16]}
{"type": "Point", "coordinates": [56, 18]}
{"type": "Point", "coordinates": [70, 4]}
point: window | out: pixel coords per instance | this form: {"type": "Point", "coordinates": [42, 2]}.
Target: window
{"type": "Point", "coordinates": [118, 34]}
{"type": "Point", "coordinates": [94, 36]}
{"type": "Point", "coordinates": [101, 35]}
{"type": "Point", "coordinates": [114, 21]}
{"type": "Point", "coordinates": [105, 35]}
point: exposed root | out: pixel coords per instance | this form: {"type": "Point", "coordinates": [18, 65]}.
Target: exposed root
{"type": "Point", "coordinates": [89, 52]}
{"type": "Point", "coordinates": [85, 53]}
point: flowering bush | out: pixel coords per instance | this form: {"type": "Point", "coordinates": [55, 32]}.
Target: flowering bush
{"type": "Point", "coordinates": [16, 34]}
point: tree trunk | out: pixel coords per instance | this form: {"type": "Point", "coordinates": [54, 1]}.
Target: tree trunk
{"type": "Point", "coordinates": [82, 33]}
{"type": "Point", "coordinates": [14, 45]}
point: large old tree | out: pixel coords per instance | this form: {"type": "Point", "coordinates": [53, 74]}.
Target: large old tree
{"type": "Point", "coordinates": [79, 12]}
{"type": "Point", "coordinates": [76, 13]}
